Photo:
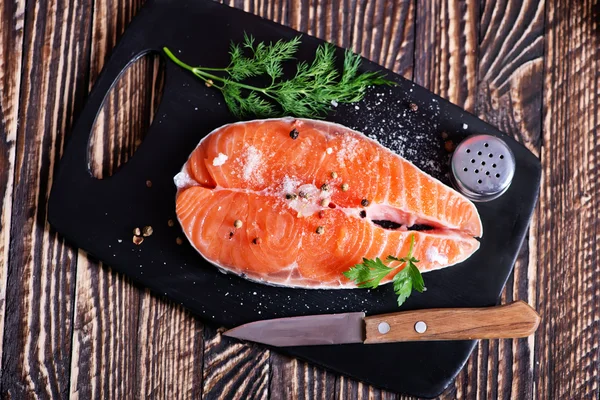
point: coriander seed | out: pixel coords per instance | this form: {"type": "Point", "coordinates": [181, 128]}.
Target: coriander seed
{"type": "Point", "coordinates": [137, 232]}
{"type": "Point", "coordinates": [413, 107]}
{"type": "Point", "coordinates": [171, 223]}
{"type": "Point", "coordinates": [324, 202]}
{"type": "Point", "coordinates": [179, 241]}
{"type": "Point", "coordinates": [334, 175]}
{"type": "Point", "coordinates": [294, 134]}
{"type": "Point", "coordinates": [147, 231]}
{"type": "Point", "coordinates": [320, 230]}
{"type": "Point", "coordinates": [237, 223]}
{"type": "Point", "coordinates": [324, 187]}
{"type": "Point", "coordinates": [345, 187]}
{"type": "Point", "coordinates": [137, 240]}
{"type": "Point", "coordinates": [364, 202]}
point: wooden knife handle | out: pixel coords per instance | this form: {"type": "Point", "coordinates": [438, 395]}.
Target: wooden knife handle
{"type": "Point", "coordinates": [513, 320]}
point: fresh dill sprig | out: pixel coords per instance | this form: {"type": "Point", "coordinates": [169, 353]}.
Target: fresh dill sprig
{"type": "Point", "coordinates": [369, 274]}
{"type": "Point", "coordinates": [312, 91]}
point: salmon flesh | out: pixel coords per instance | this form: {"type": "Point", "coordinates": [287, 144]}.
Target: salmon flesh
{"type": "Point", "coordinates": [296, 202]}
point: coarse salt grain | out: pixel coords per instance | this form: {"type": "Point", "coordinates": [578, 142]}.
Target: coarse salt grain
{"type": "Point", "coordinates": [253, 161]}
{"type": "Point", "coordinates": [348, 150]}
{"type": "Point", "coordinates": [182, 180]}
{"type": "Point", "coordinates": [220, 160]}
{"type": "Point", "coordinates": [290, 184]}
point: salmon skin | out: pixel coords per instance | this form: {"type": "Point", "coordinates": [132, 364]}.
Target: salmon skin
{"type": "Point", "coordinates": [292, 202]}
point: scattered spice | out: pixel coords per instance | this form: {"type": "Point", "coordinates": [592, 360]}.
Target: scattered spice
{"type": "Point", "coordinates": [294, 134]}
{"type": "Point", "coordinates": [230, 235]}
{"type": "Point", "coordinates": [147, 231]}
{"type": "Point", "coordinates": [449, 146]}
{"type": "Point", "coordinates": [444, 135]}
{"type": "Point", "coordinates": [413, 107]}
{"type": "Point", "coordinates": [209, 83]}
{"type": "Point", "coordinates": [324, 202]}
{"type": "Point", "coordinates": [334, 175]}
{"type": "Point", "coordinates": [291, 196]}
{"type": "Point", "coordinates": [324, 187]}
{"type": "Point", "coordinates": [345, 187]}
{"type": "Point", "coordinates": [363, 214]}
{"type": "Point", "coordinates": [303, 194]}
{"type": "Point", "coordinates": [321, 214]}
{"type": "Point", "coordinates": [149, 183]}
{"type": "Point", "coordinates": [137, 232]}
{"type": "Point", "coordinates": [237, 223]}
{"type": "Point", "coordinates": [364, 202]}
{"type": "Point", "coordinates": [179, 241]}
{"type": "Point", "coordinates": [257, 240]}
{"type": "Point", "coordinates": [137, 240]}
{"type": "Point", "coordinates": [171, 223]}
{"type": "Point", "coordinates": [320, 230]}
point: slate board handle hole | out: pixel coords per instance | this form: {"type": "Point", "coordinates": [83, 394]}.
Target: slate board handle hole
{"type": "Point", "coordinates": [132, 101]}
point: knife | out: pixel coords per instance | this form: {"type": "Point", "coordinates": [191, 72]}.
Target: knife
{"type": "Point", "coordinates": [514, 320]}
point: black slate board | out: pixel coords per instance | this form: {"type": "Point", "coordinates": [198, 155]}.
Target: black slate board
{"type": "Point", "coordinates": [98, 215]}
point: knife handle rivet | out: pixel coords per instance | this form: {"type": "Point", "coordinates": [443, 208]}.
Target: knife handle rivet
{"type": "Point", "coordinates": [420, 327]}
{"type": "Point", "coordinates": [383, 328]}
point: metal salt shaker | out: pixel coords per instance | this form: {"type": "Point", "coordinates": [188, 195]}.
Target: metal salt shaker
{"type": "Point", "coordinates": [482, 167]}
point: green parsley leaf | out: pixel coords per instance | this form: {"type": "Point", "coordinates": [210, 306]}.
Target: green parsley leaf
{"type": "Point", "coordinates": [370, 273]}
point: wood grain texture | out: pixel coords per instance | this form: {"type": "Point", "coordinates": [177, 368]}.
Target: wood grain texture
{"type": "Point", "coordinates": [233, 370]}
{"type": "Point", "coordinates": [568, 344]}
{"type": "Point", "coordinates": [39, 292]}
{"type": "Point", "coordinates": [128, 343]}
{"type": "Point", "coordinates": [446, 49]}
{"type": "Point", "coordinates": [107, 305]}
{"type": "Point", "coordinates": [11, 47]}
{"type": "Point", "coordinates": [382, 31]}
{"type": "Point", "coordinates": [170, 351]}
{"type": "Point", "coordinates": [494, 49]}
{"type": "Point", "coordinates": [295, 379]}
{"type": "Point", "coordinates": [514, 320]}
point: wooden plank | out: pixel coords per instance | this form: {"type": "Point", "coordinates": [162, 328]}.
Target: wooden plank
{"type": "Point", "coordinates": [446, 49]}
{"type": "Point", "coordinates": [11, 45]}
{"type": "Point", "coordinates": [107, 305]}
{"type": "Point", "coordinates": [170, 351]}
{"type": "Point", "coordinates": [349, 389]}
{"type": "Point", "coordinates": [567, 348]}
{"type": "Point", "coordinates": [489, 61]}
{"type": "Point", "coordinates": [294, 379]}
{"type": "Point", "coordinates": [389, 41]}
{"type": "Point", "coordinates": [39, 292]}
{"type": "Point", "coordinates": [382, 31]}
{"type": "Point", "coordinates": [234, 370]}
{"type": "Point", "coordinates": [510, 79]}
{"type": "Point", "coordinates": [127, 342]}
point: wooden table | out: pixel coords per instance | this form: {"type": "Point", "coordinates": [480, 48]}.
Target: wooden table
{"type": "Point", "coordinates": [72, 328]}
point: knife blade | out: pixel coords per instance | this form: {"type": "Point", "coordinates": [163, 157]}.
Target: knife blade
{"type": "Point", "coordinates": [514, 320]}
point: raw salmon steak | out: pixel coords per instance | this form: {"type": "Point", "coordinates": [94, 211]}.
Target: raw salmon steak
{"type": "Point", "coordinates": [297, 202]}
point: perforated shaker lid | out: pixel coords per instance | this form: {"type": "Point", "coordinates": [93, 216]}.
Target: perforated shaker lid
{"type": "Point", "coordinates": [482, 167]}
